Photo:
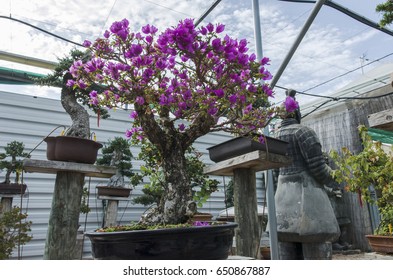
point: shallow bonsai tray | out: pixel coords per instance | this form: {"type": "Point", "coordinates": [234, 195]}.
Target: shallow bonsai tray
{"type": "Point", "coordinates": [242, 145]}
{"type": "Point", "coordinates": [113, 191]}
{"type": "Point", "coordinates": [12, 189]}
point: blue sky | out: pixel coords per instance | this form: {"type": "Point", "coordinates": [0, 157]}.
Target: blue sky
{"type": "Point", "coordinates": [334, 45]}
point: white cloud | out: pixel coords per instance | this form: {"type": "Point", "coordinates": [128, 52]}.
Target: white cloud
{"type": "Point", "coordinates": [363, 36]}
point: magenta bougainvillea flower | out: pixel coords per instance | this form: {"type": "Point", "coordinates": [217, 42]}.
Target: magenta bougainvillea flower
{"type": "Point", "coordinates": [183, 71]}
{"type": "Point", "coordinates": [290, 104]}
{"type": "Point", "coordinates": [201, 224]}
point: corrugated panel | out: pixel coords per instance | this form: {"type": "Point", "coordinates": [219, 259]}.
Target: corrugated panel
{"type": "Point", "coordinates": [29, 119]}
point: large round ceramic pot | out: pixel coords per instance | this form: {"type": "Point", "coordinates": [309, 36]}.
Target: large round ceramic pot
{"type": "Point", "coordinates": [198, 243]}
{"type": "Point", "coordinates": [73, 149]}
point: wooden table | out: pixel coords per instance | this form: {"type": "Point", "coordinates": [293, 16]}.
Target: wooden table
{"type": "Point", "coordinates": [243, 169]}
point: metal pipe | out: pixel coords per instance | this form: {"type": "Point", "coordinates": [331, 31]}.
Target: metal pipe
{"type": "Point", "coordinates": [271, 208]}
{"type": "Point", "coordinates": [202, 17]}
{"type": "Point", "coordinates": [257, 29]}
{"type": "Point", "coordinates": [27, 60]}
{"type": "Point", "coordinates": [42, 30]}
{"type": "Point", "coordinates": [358, 17]}
{"type": "Point", "coordinates": [350, 13]}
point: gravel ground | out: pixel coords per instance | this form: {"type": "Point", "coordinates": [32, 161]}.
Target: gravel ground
{"type": "Point", "coordinates": [357, 255]}
{"type": "Point", "coordinates": [342, 255]}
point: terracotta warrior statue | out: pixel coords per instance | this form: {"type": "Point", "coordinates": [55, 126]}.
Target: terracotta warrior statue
{"type": "Point", "coordinates": [306, 223]}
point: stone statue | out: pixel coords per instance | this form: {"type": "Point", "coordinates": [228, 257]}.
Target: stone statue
{"type": "Point", "coordinates": [306, 223]}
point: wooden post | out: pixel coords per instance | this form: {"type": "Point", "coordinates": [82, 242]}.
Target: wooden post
{"type": "Point", "coordinates": [64, 216]}
{"type": "Point", "coordinates": [110, 218]}
{"type": "Point", "coordinates": [6, 205]}
{"type": "Point", "coordinates": [110, 214]}
{"type": "Point", "coordinates": [246, 213]}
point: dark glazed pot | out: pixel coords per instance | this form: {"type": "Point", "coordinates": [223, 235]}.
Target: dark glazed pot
{"type": "Point", "coordinates": [198, 243]}
{"type": "Point", "coordinates": [113, 191]}
{"type": "Point", "coordinates": [12, 189]}
{"type": "Point", "coordinates": [242, 145]}
{"type": "Point", "coordinates": [73, 149]}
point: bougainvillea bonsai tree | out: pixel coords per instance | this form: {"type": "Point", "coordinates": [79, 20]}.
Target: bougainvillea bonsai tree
{"type": "Point", "coordinates": [181, 84]}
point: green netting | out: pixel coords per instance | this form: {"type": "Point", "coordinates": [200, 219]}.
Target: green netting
{"type": "Point", "coordinates": [17, 77]}
{"type": "Point", "coordinates": [383, 136]}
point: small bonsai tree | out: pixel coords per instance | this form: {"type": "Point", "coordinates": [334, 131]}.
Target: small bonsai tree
{"type": "Point", "coordinates": [372, 167]}
{"type": "Point", "coordinates": [13, 231]}
{"type": "Point", "coordinates": [12, 160]}
{"type": "Point", "coordinates": [117, 153]}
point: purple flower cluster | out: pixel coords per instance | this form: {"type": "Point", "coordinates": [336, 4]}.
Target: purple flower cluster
{"type": "Point", "coordinates": [182, 73]}
{"type": "Point", "coordinates": [120, 28]}
{"type": "Point", "coordinates": [290, 104]}
{"type": "Point", "coordinates": [201, 224]}
{"type": "Point", "coordinates": [135, 132]}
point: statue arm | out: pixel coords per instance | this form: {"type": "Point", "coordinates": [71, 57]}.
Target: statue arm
{"type": "Point", "coordinates": [311, 150]}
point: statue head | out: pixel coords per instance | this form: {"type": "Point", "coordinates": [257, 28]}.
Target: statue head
{"type": "Point", "coordinates": [296, 114]}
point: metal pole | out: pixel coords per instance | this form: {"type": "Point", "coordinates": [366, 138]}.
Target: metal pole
{"type": "Point", "coordinates": [199, 20]}
{"type": "Point", "coordinates": [257, 29]}
{"type": "Point", "coordinates": [300, 37]}
{"type": "Point", "coordinates": [268, 174]}
{"type": "Point", "coordinates": [350, 13]}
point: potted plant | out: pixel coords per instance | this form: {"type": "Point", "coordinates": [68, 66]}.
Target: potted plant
{"type": "Point", "coordinates": [12, 162]}
{"type": "Point", "coordinates": [77, 146]}
{"type": "Point", "coordinates": [13, 231]}
{"type": "Point", "coordinates": [117, 153]}
{"type": "Point", "coordinates": [75, 143]}
{"type": "Point", "coordinates": [369, 174]}
{"type": "Point", "coordinates": [181, 84]}
{"type": "Point", "coordinates": [72, 149]}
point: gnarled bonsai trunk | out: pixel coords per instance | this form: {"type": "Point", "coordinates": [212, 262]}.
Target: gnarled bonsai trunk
{"type": "Point", "coordinates": [80, 118]}
{"type": "Point", "coordinates": [177, 201]}
{"type": "Point", "coordinates": [176, 204]}
{"type": "Point", "coordinates": [116, 180]}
